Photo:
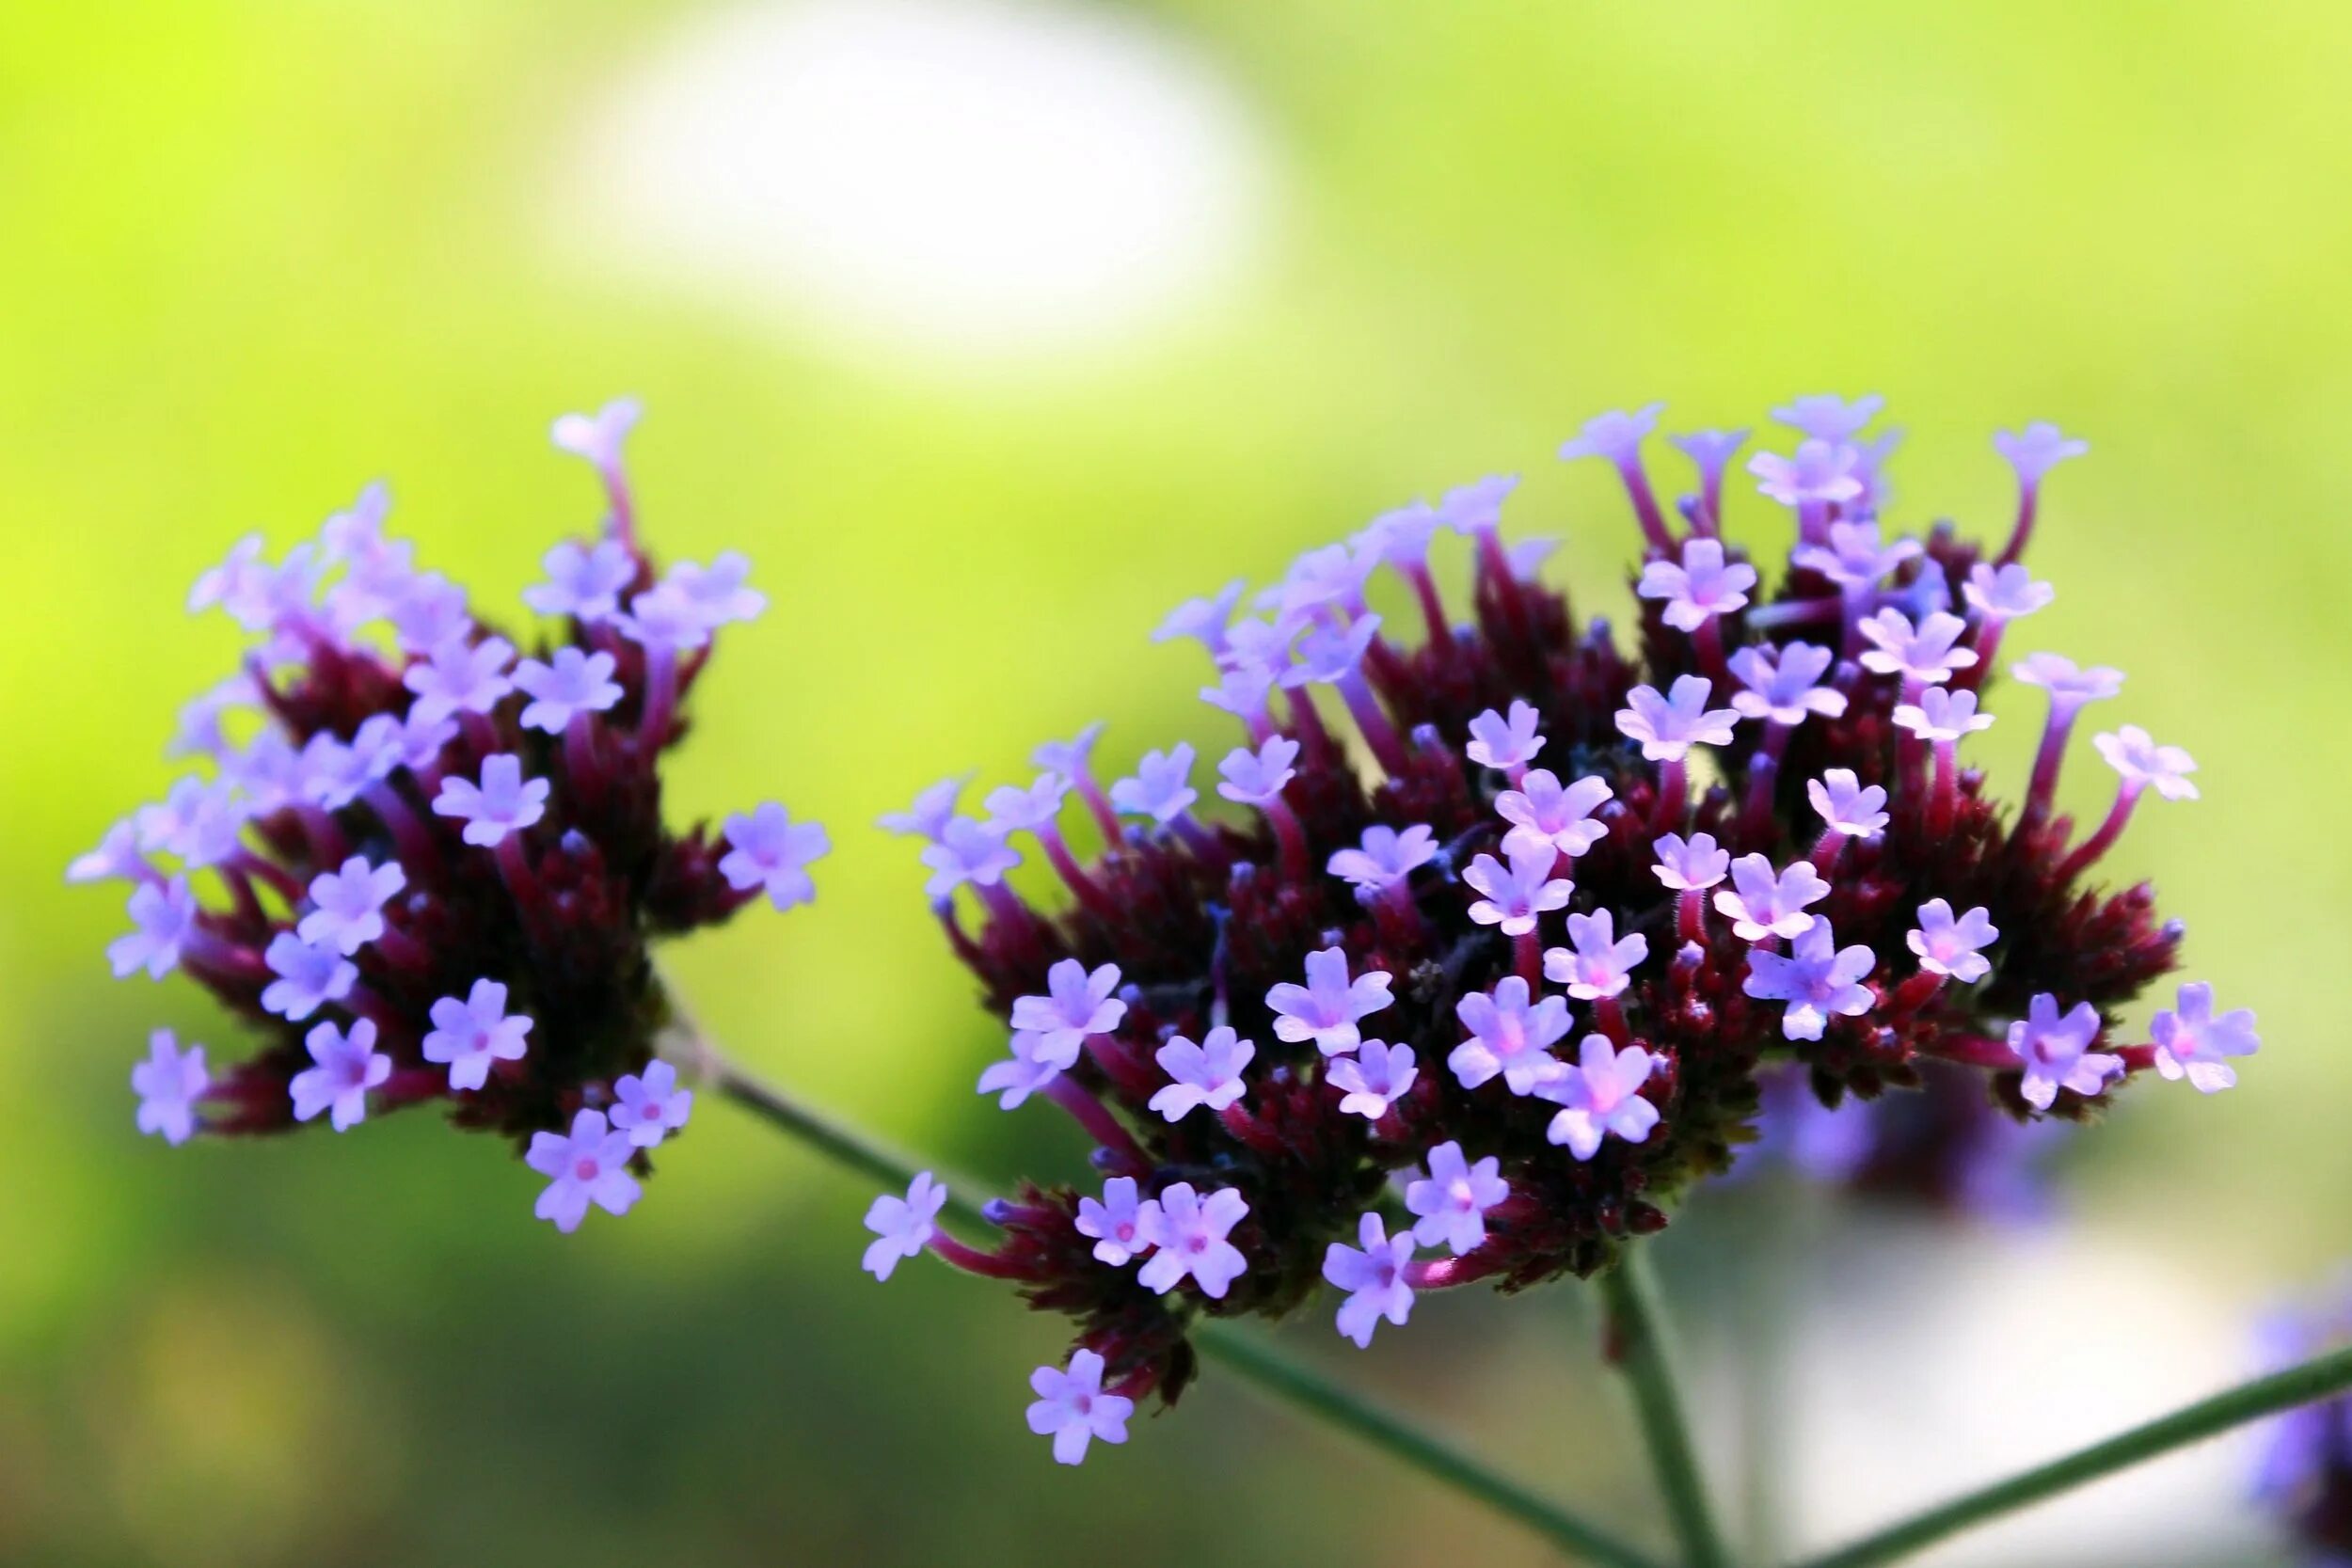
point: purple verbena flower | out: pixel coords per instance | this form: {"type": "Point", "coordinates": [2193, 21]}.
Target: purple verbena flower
{"type": "Point", "coordinates": [2036, 449]}
{"type": "Point", "coordinates": [2056, 1052]}
{"type": "Point", "coordinates": [2135, 755]}
{"type": "Point", "coordinates": [162, 920]}
{"type": "Point", "coordinates": [2192, 1043]}
{"type": "Point", "coordinates": [1029, 1069]}
{"type": "Point", "coordinates": [1694, 865]}
{"type": "Point", "coordinates": [1077, 1003]}
{"type": "Point", "coordinates": [1820, 472]}
{"type": "Point", "coordinates": [1926, 653]}
{"type": "Point", "coordinates": [1160, 788]}
{"type": "Point", "coordinates": [1849, 806]}
{"type": "Point", "coordinates": [903, 1226]}
{"type": "Point", "coordinates": [1207, 1074]}
{"type": "Point", "coordinates": [967, 851]}
{"type": "Point", "coordinates": [1117, 1222]}
{"type": "Point", "coordinates": [1516, 897]}
{"type": "Point", "coordinates": [1826, 417]}
{"type": "Point", "coordinates": [1450, 1203]}
{"type": "Point", "coordinates": [769, 851]}
{"type": "Point", "coordinates": [1547, 816]}
{"type": "Point", "coordinates": [2004, 594]}
{"type": "Point", "coordinates": [1374, 1078]}
{"type": "Point", "coordinates": [1203, 620]}
{"type": "Point", "coordinates": [347, 1066]}
{"type": "Point", "coordinates": [169, 1084]}
{"type": "Point", "coordinates": [1511, 1034]}
{"type": "Point", "coordinates": [461, 678]}
{"type": "Point", "coordinates": [347, 905]}
{"type": "Point", "coordinates": [1701, 587]}
{"type": "Point", "coordinates": [1189, 1232]}
{"type": "Point", "coordinates": [1072, 1410]}
{"type": "Point", "coordinates": [308, 978]}
{"type": "Point", "coordinates": [1817, 978]}
{"type": "Point", "coordinates": [1764, 904]}
{"type": "Point", "coordinates": [1504, 743]}
{"type": "Point", "coordinates": [649, 1106]}
{"type": "Point", "coordinates": [1942, 715]}
{"type": "Point", "coordinates": [570, 684]}
{"type": "Point", "coordinates": [1854, 559]}
{"type": "Point", "coordinates": [1255, 778]}
{"type": "Point", "coordinates": [583, 583]}
{"type": "Point", "coordinates": [1386, 857]}
{"type": "Point", "coordinates": [1953, 948]}
{"type": "Point", "coordinates": [1475, 509]}
{"type": "Point", "coordinates": [471, 1036]}
{"type": "Point", "coordinates": [1784, 685]}
{"type": "Point", "coordinates": [503, 803]}
{"type": "Point", "coordinates": [1328, 1006]}
{"type": "Point", "coordinates": [1615, 435]}
{"type": "Point", "coordinates": [1598, 962]}
{"type": "Point", "coordinates": [927, 818]}
{"type": "Point", "coordinates": [1374, 1278]}
{"type": "Point", "coordinates": [1667, 727]}
{"type": "Point", "coordinates": [587, 1165]}
{"type": "Point", "coordinates": [1600, 1096]}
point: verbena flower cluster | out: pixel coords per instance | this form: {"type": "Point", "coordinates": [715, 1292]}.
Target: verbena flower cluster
{"type": "Point", "coordinates": [423, 865]}
{"type": "Point", "coordinates": [2304, 1473]}
{"type": "Point", "coordinates": [1503, 923]}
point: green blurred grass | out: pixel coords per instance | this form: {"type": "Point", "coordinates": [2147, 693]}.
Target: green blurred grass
{"type": "Point", "coordinates": [257, 253]}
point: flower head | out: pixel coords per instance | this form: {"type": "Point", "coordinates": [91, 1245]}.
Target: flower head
{"type": "Point", "coordinates": [381, 958]}
{"type": "Point", "coordinates": [902, 1226]}
{"type": "Point", "coordinates": [1072, 1410]}
{"type": "Point", "coordinates": [1373, 1274]}
{"type": "Point", "coordinates": [2192, 1043]}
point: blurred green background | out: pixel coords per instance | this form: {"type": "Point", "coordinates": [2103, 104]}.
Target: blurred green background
{"type": "Point", "coordinates": [989, 331]}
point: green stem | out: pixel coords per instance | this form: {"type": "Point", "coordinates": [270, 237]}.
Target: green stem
{"type": "Point", "coordinates": [1638, 1344]}
{"type": "Point", "coordinates": [2249, 1401]}
{"type": "Point", "coordinates": [1247, 1353]}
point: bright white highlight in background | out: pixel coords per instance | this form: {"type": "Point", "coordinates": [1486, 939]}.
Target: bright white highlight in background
{"type": "Point", "coordinates": [985, 181]}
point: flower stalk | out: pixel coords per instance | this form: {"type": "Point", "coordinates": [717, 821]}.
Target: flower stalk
{"type": "Point", "coordinates": [1638, 1346]}
{"type": "Point", "coordinates": [1266, 1368]}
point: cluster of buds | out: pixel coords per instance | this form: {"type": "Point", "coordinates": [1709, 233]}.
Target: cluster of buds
{"type": "Point", "coordinates": [2304, 1475]}
{"type": "Point", "coordinates": [1510, 925]}
{"type": "Point", "coordinates": [418, 866]}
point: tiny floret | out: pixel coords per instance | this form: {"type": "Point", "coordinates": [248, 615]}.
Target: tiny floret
{"type": "Point", "coordinates": [1547, 816]}
{"type": "Point", "coordinates": [1512, 1033]}
{"type": "Point", "coordinates": [1854, 559]}
{"type": "Point", "coordinates": [2056, 1051]}
{"type": "Point", "coordinates": [1785, 687]}
{"type": "Point", "coordinates": [598, 436]}
{"type": "Point", "coordinates": [1386, 857]}
{"type": "Point", "coordinates": [1256, 778]}
{"type": "Point", "coordinates": [1600, 1096]}
{"type": "Point", "coordinates": [1616, 436]}
{"type": "Point", "coordinates": [2069, 685]}
{"type": "Point", "coordinates": [1116, 1222]}
{"type": "Point", "coordinates": [1034, 810]}
{"type": "Point", "coordinates": [1476, 508]}
{"type": "Point", "coordinates": [1516, 895]}
{"type": "Point", "coordinates": [568, 685]}
{"type": "Point", "coordinates": [583, 584]}
{"type": "Point", "coordinates": [1207, 1074]}
{"type": "Point", "coordinates": [1700, 588]}
{"type": "Point", "coordinates": [162, 920]}
{"type": "Point", "coordinates": [769, 851]}
{"type": "Point", "coordinates": [1817, 978]}
{"type": "Point", "coordinates": [1029, 1069]}
{"type": "Point", "coordinates": [1942, 715]}
{"type": "Point", "coordinates": [1826, 417]}
{"type": "Point", "coordinates": [1691, 866]}
{"type": "Point", "coordinates": [1450, 1203]}
{"type": "Point", "coordinates": [2134, 753]}
{"type": "Point", "coordinates": [1927, 652]}
{"type": "Point", "coordinates": [503, 803]}
{"type": "Point", "coordinates": [308, 977]}
{"type": "Point", "coordinates": [1820, 473]}
{"type": "Point", "coordinates": [903, 1226]}
{"type": "Point", "coordinates": [1161, 787]}
{"type": "Point", "coordinates": [1597, 963]}
{"type": "Point", "coordinates": [1506, 743]}
{"type": "Point", "coordinates": [967, 851]}
{"type": "Point", "coordinates": [2003, 593]}
{"type": "Point", "coordinates": [1374, 1078]}
{"type": "Point", "coordinates": [1189, 1232]}
{"type": "Point", "coordinates": [927, 818]}
{"type": "Point", "coordinates": [650, 1106]}
{"type": "Point", "coordinates": [1763, 903]}
{"type": "Point", "coordinates": [1328, 1006]}
{"type": "Point", "coordinates": [1847, 804]}
{"type": "Point", "coordinates": [169, 1084]}
{"type": "Point", "coordinates": [347, 905]}
{"type": "Point", "coordinates": [1953, 948]}
{"type": "Point", "coordinates": [1669, 726]}
{"type": "Point", "coordinates": [346, 1065]}
{"type": "Point", "coordinates": [587, 1165]}
{"type": "Point", "coordinates": [1203, 620]}
{"type": "Point", "coordinates": [2192, 1043]}
{"type": "Point", "coordinates": [469, 1036]}
{"type": "Point", "coordinates": [1077, 1003]}
{"type": "Point", "coordinates": [1373, 1277]}
{"type": "Point", "coordinates": [461, 678]}
{"type": "Point", "coordinates": [1072, 1410]}
{"type": "Point", "coordinates": [2036, 449]}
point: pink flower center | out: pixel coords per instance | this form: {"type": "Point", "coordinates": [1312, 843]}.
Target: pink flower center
{"type": "Point", "coordinates": [586, 1169]}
